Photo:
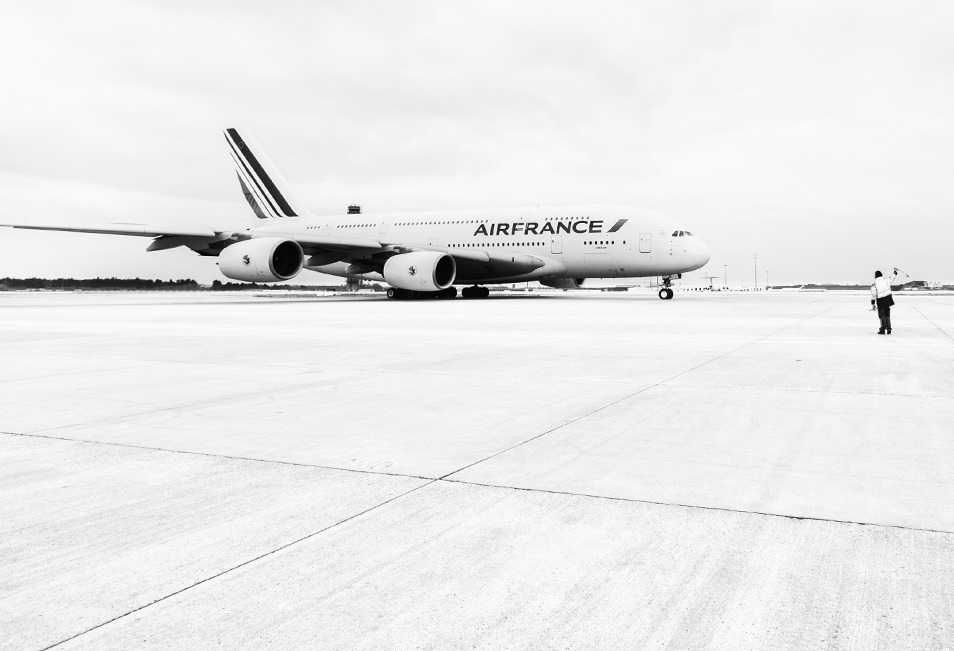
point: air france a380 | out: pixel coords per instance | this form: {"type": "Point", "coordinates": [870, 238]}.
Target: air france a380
{"type": "Point", "coordinates": [421, 254]}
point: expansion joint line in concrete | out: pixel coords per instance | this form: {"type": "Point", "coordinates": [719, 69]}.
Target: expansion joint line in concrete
{"type": "Point", "coordinates": [433, 480]}
{"type": "Point", "coordinates": [213, 455]}
{"type": "Point", "coordinates": [679, 505]}
{"type": "Point", "coordinates": [635, 393]}
{"type": "Point", "coordinates": [928, 319]}
{"type": "Point", "coordinates": [874, 394]}
{"type": "Point", "coordinates": [241, 565]}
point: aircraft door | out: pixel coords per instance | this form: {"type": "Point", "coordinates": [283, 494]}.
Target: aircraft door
{"type": "Point", "coordinates": [645, 242]}
{"type": "Point", "coordinates": [556, 244]}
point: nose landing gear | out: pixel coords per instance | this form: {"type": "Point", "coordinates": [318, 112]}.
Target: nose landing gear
{"type": "Point", "coordinates": [666, 292]}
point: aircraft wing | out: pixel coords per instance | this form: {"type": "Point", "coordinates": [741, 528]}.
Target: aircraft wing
{"type": "Point", "coordinates": [474, 263]}
{"type": "Point", "coordinates": [483, 264]}
{"type": "Point", "coordinates": [470, 255]}
{"type": "Point", "coordinates": [142, 230]}
{"type": "Point", "coordinates": [358, 245]}
{"type": "Point", "coordinates": [372, 253]}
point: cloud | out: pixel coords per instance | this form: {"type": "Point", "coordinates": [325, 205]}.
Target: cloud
{"type": "Point", "coordinates": [778, 127]}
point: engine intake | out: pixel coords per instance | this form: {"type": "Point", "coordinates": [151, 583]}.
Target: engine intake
{"type": "Point", "coordinates": [421, 271]}
{"type": "Point", "coordinates": [263, 260]}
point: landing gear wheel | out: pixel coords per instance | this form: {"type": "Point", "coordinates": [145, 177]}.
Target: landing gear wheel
{"type": "Point", "coordinates": [450, 292]}
{"type": "Point", "coordinates": [475, 292]}
{"type": "Point", "coordinates": [665, 293]}
{"type": "Point", "coordinates": [400, 294]}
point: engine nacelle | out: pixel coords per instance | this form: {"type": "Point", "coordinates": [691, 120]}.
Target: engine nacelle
{"type": "Point", "coordinates": [264, 260]}
{"type": "Point", "coordinates": [421, 271]}
{"type": "Point", "coordinates": [563, 283]}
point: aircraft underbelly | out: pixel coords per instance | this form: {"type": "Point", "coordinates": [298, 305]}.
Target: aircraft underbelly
{"type": "Point", "coordinates": [471, 271]}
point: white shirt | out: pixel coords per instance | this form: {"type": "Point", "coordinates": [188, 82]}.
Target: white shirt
{"type": "Point", "coordinates": [882, 287]}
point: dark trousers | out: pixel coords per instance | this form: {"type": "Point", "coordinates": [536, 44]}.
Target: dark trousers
{"type": "Point", "coordinates": [884, 313]}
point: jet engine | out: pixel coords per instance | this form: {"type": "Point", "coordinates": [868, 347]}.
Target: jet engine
{"type": "Point", "coordinates": [563, 283]}
{"type": "Point", "coordinates": [421, 271]}
{"type": "Point", "coordinates": [264, 260]}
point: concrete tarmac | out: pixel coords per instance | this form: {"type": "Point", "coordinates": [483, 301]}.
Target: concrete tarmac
{"type": "Point", "coordinates": [553, 470]}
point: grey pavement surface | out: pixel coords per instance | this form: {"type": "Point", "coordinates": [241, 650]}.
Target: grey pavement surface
{"type": "Point", "coordinates": [559, 470]}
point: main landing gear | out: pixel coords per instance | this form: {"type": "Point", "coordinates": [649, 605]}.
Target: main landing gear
{"type": "Point", "coordinates": [666, 292]}
{"type": "Point", "coordinates": [475, 292]}
{"type": "Point", "coordinates": [407, 294]}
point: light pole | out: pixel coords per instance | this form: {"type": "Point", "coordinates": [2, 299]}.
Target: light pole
{"type": "Point", "coordinates": [725, 275]}
{"type": "Point", "coordinates": [766, 280]}
{"type": "Point", "coordinates": [755, 261]}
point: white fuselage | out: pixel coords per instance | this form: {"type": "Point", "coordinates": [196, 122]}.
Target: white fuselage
{"type": "Point", "coordinates": [571, 241]}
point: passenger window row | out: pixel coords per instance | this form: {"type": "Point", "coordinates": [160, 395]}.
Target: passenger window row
{"type": "Point", "coordinates": [470, 221]}
{"type": "Point", "coordinates": [495, 244]}
{"type": "Point", "coordinates": [462, 221]}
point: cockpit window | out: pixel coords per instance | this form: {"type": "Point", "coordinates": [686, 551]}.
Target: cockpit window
{"type": "Point", "coordinates": [688, 234]}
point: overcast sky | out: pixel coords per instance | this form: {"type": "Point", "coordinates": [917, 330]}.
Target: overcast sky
{"type": "Point", "coordinates": [819, 135]}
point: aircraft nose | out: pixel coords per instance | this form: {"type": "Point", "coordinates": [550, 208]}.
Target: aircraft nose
{"type": "Point", "coordinates": [700, 254]}
{"type": "Point", "coordinates": [704, 254]}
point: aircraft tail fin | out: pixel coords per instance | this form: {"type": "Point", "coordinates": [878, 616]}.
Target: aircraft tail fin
{"type": "Point", "coordinates": [264, 188]}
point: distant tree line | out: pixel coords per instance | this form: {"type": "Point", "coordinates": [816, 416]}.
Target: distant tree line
{"type": "Point", "coordinates": [97, 283]}
{"type": "Point", "coordinates": [911, 284]}
{"type": "Point", "coordinates": [140, 284]}
{"type": "Point", "coordinates": [188, 284]}
{"type": "Point", "coordinates": [218, 285]}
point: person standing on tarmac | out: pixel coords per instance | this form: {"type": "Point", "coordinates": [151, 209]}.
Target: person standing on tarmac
{"type": "Point", "coordinates": [881, 296]}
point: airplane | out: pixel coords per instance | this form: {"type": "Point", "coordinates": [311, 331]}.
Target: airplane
{"type": "Point", "coordinates": [424, 254]}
